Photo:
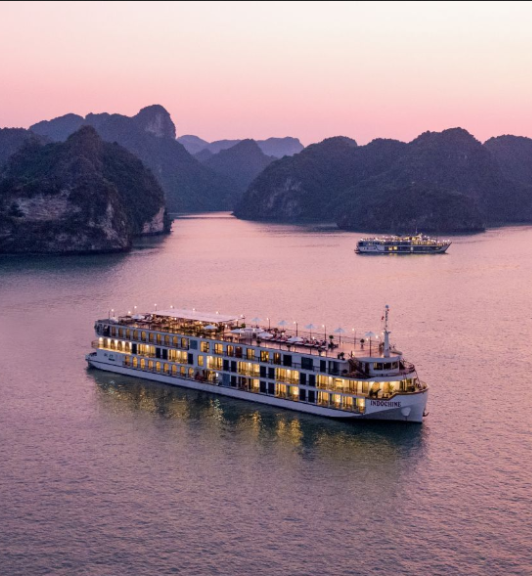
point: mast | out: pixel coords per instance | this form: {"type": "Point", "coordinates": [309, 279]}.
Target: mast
{"type": "Point", "coordinates": [386, 332]}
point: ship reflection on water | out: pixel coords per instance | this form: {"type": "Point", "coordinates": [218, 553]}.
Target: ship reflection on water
{"type": "Point", "coordinates": [310, 436]}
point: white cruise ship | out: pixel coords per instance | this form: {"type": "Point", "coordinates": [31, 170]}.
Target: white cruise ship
{"type": "Point", "coordinates": [312, 372]}
{"type": "Point", "coordinates": [419, 244]}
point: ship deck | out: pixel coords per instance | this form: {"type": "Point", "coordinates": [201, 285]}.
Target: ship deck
{"type": "Point", "coordinates": [313, 343]}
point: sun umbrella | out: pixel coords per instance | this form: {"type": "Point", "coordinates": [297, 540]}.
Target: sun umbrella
{"type": "Point", "coordinates": [295, 340]}
{"type": "Point", "coordinates": [264, 335]}
{"type": "Point", "coordinates": [283, 323]}
{"type": "Point", "coordinates": [311, 327]}
{"type": "Point", "coordinates": [256, 320]}
{"type": "Point", "coordinates": [370, 335]}
{"type": "Point", "coordinates": [210, 327]}
{"type": "Point", "coordinates": [238, 331]}
{"type": "Point", "coordinates": [339, 331]}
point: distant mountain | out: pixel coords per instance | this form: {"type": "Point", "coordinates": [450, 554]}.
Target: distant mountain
{"type": "Point", "coordinates": [242, 163]}
{"type": "Point", "coordinates": [514, 157]}
{"type": "Point", "coordinates": [193, 144]}
{"type": "Point", "coordinates": [79, 196]}
{"type": "Point", "coordinates": [442, 182]}
{"type": "Point", "coordinates": [280, 147]}
{"type": "Point", "coordinates": [59, 129]}
{"type": "Point", "coordinates": [203, 155]}
{"type": "Point", "coordinates": [150, 135]}
{"type": "Point", "coordinates": [12, 139]}
{"type": "Point", "coordinates": [276, 147]}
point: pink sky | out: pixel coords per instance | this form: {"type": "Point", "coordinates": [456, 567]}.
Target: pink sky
{"type": "Point", "coordinates": [259, 69]}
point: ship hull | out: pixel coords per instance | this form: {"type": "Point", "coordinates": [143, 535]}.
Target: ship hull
{"type": "Point", "coordinates": [404, 408]}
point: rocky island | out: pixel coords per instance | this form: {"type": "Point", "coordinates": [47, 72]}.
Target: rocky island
{"type": "Point", "coordinates": [440, 182]}
{"type": "Point", "coordinates": [83, 195]}
{"type": "Point", "coordinates": [189, 186]}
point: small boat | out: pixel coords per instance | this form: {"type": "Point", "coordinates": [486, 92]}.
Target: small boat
{"type": "Point", "coordinates": [419, 244]}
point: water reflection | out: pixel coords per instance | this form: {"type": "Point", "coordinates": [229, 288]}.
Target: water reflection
{"type": "Point", "coordinates": [309, 435]}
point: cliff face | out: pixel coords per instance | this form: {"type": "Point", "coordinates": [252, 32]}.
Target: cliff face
{"type": "Point", "coordinates": [445, 182]}
{"type": "Point", "coordinates": [150, 135]}
{"type": "Point", "coordinates": [80, 196]}
{"type": "Point", "coordinates": [309, 184]}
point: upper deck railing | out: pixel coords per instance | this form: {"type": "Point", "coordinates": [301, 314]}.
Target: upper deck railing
{"type": "Point", "coordinates": [315, 343]}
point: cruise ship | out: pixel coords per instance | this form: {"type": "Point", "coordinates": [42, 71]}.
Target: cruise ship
{"type": "Point", "coordinates": [313, 372]}
{"type": "Point", "coordinates": [419, 244]}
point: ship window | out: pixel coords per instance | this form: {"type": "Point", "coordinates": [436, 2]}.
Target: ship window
{"type": "Point", "coordinates": [184, 343]}
{"type": "Point", "coordinates": [205, 347]}
{"type": "Point", "coordinates": [135, 334]}
{"type": "Point", "coordinates": [135, 362]}
{"type": "Point", "coordinates": [230, 350]}
{"type": "Point", "coordinates": [264, 356]}
{"type": "Point", "coordinates": [193, 344]}
{"type": "Point", "coordinates": [307, 363]}
{"type": "Point", "coordinates": [151, 337]}
{"type": "Point", "coordinates": [287, 360]}
{"type": "Point", "coordinates": [175, 341]}
{"type": "Point", "coordinates": [201, 361]}
{"type": "Point", "coordinates": [167, 340]}
{"type": "Point", "coordinates": [238, 351]}
{"type": "Point", "coordinates": [150, 364]}
{"type": "Point", "coordinates": [143, 364]}
{"type": "Point", "coordinates": [263, 387]}
{"type": "Point", "coordinates": [276, 358]}
{"type": "Point", "coordinates": [250, 354]}
{"type": "Point", "coordinates": [218, 348]}
{"type": "Point", "coordinates": [281, 390]}
{"type": "Point", "coordinates": [167, 368]}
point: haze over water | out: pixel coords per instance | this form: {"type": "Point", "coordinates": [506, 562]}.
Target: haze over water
{"type": "Point", "coordinates": [103, 475]}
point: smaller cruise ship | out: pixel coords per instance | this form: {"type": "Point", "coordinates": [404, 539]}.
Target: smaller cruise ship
{"type": "Point", "coordinates": [419, 244]}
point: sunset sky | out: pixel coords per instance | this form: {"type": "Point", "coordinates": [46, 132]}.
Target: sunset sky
{"type": "Point", "coordinates": [259, 69]}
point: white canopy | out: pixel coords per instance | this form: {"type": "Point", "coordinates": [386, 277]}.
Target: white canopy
{"type": "Point", "coordinates": [182, 314]}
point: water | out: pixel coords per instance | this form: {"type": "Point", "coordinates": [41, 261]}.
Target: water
{"type": "Point", "coordinates": [103, 475]}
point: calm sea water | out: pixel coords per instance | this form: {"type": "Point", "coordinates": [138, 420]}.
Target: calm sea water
{"type": "Point", "coordinates": [103, 475]}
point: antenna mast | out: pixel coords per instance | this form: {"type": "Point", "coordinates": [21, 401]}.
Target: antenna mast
{"type": "Point", "coordinates": [386, 332]}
